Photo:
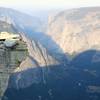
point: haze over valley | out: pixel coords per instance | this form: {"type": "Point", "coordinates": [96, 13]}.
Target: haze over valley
{"type": "Point", "coordinates": [53, 55]}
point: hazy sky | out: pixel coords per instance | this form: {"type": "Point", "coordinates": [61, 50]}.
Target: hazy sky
{"type": "Point", "coordinates": [48, 3]}
{"type": "Point", "coordinates": [31, 5]}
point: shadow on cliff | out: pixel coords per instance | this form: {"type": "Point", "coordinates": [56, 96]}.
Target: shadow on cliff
{"type": "Point", "coordinates": [88, 59]}
{"type": "Point", "coordinates": [58, 82]}
{"type": "Point", "coordinates": [46, 41]}
{"type": "Point", "coordinates": [51, 46]}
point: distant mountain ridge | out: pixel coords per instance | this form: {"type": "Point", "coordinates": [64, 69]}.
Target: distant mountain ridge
{"type": "Point", "coordinates": [7, 27]}
{"type": "Point", "coordinates": [76, 30]}
{"type": "Point", "coordinates": [22, 21]}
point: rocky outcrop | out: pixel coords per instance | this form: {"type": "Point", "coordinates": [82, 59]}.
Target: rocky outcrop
{"type": "Point", "coordinates": [10, 55]}
{"type": "Point", "coordinates": [76, 30]}
{"type": "Point", "coordinates": [10, 59]}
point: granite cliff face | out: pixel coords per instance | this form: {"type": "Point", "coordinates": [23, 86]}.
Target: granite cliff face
{"type": "Point", "coordinates": [76, 30]}
{"type": "Point", "coordinates": [10, 59]}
